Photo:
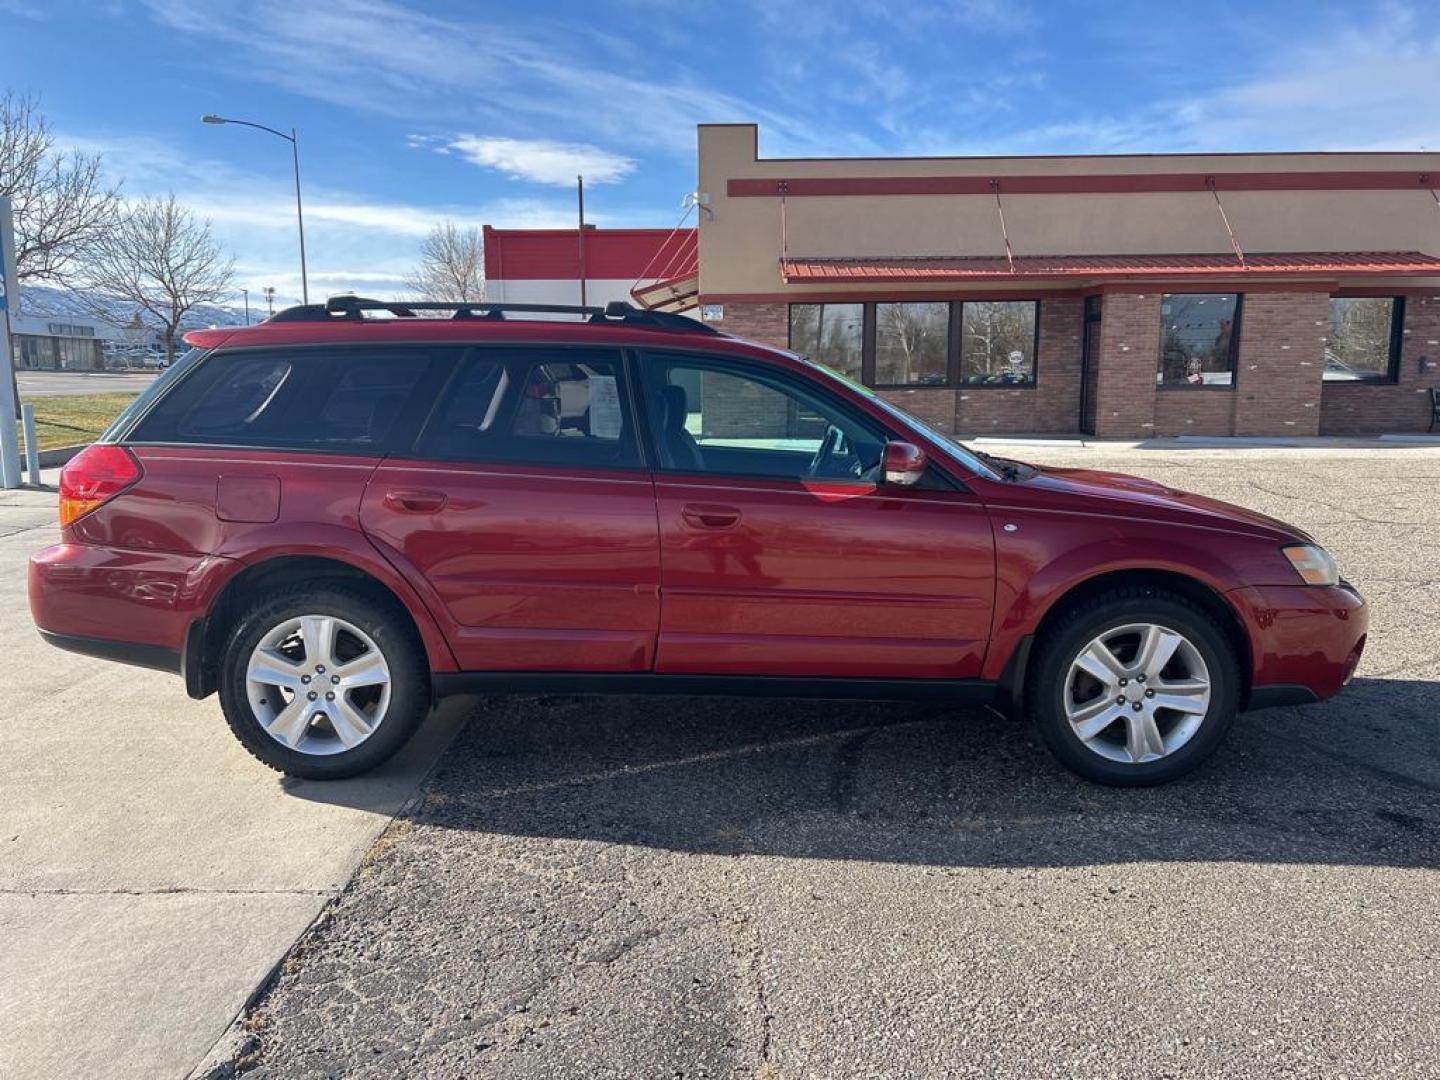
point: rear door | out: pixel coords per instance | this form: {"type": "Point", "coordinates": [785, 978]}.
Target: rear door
{"type": "Point", "coordinates": [781, 553]}
{"type": "Point", "coordinates": [526, 511]}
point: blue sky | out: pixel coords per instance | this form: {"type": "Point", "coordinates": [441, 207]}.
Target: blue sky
{"type": "Point", "coordinates": [410, 112]}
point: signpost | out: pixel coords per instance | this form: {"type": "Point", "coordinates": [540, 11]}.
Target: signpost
{"type": "Point", "coordinates": [9, 301]}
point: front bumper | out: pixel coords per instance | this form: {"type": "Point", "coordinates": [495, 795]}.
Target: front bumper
{"type": "Point", "coordinates": [1305, 640]}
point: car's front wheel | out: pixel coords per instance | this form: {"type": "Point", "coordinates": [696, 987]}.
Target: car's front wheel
{"type": "Point", "coordinates": [324, 682]}
{"type": "Point", "coordinates": [1133, 687]}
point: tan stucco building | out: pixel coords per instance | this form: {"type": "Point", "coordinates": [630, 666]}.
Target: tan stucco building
{"type": "Point", "coordinates": [1214, 294]}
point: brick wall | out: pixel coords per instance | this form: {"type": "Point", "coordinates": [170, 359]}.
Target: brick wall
{"type": "Point", "coordinates": [1365, 408]}
{"type": "Point", "coordinates": [768, 324]}
{"type": "Point", "coordinates": [1129, 352]}
{"type": "Point", "coordinates": [1193, 412]}
{"type": "Point", "coordinates": [1282, 353]}
{"type": "Point", "coordinates": [734, 408]}
{"type": "Point", "coordinates": [936, 407]}
{"type": "Point", "coordinates": [1057, 390]}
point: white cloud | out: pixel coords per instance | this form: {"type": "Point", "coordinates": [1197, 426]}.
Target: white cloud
{"type": "Point", "coordinates": [543, 161]}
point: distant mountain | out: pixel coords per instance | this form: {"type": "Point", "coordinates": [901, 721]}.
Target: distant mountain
{"type": "Point", "coordinates": [43, 301]}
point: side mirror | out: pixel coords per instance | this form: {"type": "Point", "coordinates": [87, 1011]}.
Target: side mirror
{"type": "Point", "coordinates": [902, 463]}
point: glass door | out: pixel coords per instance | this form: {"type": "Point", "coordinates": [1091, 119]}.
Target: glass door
{"type": "Point", "coordinates": [1089, 364]}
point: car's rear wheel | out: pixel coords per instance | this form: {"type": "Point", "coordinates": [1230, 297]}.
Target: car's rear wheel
{"type": "Point", "coordinates": [1133, 687]}
{"type": "Point", "coordinates": [324, 682]}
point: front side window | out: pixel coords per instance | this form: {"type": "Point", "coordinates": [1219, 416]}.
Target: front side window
{"type": "Point", "coordinates": [997, 343]}
{"type": "Point", "coordinates": [1199, 339]}
{"type": "Point", "coordinates": [831, 334]}
{"type": "Point", "coordinates": [712, 415]}
{"type": "Point", "coordinates": [1364, 340]}
{"type": "Point", "coordinates": [912, 344]}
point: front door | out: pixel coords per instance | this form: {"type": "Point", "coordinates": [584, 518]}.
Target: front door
{"type": "Point", "coordinates": [526, 516]}
{"type": "Point", "coordinates": [782, 555]}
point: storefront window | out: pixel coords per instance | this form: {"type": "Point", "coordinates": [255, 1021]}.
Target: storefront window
{"type": "Point", "coordinates": [997, 343]}
{"type": "Point", "coordinates": [912, 344]}
{"type": "Point", "coordinates": [1198, 339]}
{"type": "Point", "coordinates": [1364, 340]}
{"type": "Point", "coordinates": [830, 334]}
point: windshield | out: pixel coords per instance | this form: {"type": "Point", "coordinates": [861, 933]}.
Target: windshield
{"type": "Point", "coordinates": [967, 458]}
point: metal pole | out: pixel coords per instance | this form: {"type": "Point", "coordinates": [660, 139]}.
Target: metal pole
{"type": "Point", "coordinates": [9, 300]}
{"type": "Point", "coordinates": [300, 218]}
{"type": "Point", "coordinates": [246, 293]}
{"type": "Point", "coordinates": [580, 188]}
{"type": "Point", "coordinates": [32, 445]}
{"type": "Point", "coordinates": [294, 138]}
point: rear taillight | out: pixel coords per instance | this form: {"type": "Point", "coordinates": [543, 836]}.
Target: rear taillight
{"type": "Point", "coordinates": [93, 477]}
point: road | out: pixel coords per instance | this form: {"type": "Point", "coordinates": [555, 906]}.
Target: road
{"type": "Point", "coordinates": [151, 874]}
{"type": "Point", "coordinates": [651, 887]}
{"type": "Point", "coordinates": [35, 384]}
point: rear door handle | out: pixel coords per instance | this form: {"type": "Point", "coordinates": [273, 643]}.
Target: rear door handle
{"type": "Point", "coordinates": [710, 516]}
{"type": "Point", "coordinates": [413, 501]}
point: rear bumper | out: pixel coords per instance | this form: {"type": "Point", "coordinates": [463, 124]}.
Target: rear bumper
{"type": "Point", "coordinates": [156, 657]}
{"type": "Point", "coordinates": [1305, 641]}
{"type": "Point", "coordinates": [132, 606]}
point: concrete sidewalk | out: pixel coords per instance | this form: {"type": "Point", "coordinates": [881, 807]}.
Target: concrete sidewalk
{"type": "Point", "coordinates": [151, 872]}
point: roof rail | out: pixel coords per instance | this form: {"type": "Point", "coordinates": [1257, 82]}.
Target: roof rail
{"type": "Point", "coordinates": [615, 312]}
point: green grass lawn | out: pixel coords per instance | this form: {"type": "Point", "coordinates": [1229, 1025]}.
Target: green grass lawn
{"type": "Point", "coordinates": [65, 421]}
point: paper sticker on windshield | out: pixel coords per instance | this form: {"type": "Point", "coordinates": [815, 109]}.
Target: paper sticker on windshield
{"type": "Point", "coordinates": [605, 417]}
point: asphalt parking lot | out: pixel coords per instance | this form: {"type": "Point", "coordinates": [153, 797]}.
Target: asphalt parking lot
{"type": "Point", "coordinates": [676, 887]}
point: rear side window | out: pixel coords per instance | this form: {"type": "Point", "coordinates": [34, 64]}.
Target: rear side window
{"type": "Point", "coordinates": [538, 406]}
{"type": "Point", "coordinates": [345, 401]}
{"type": "Point", "coordinates": [238, 403]}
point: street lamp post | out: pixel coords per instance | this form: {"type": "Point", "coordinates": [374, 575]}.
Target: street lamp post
{"type": "Point", "coordinates": [292, 138]}
{"type": "Point", "coordinates": [247, 305]}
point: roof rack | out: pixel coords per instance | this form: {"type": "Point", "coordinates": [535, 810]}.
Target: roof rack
{"type": "Point", "coordinates": [615, 312]}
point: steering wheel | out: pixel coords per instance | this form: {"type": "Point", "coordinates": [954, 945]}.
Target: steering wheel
{"type": "Point", "coordinates": [829, 459]}
{"type": "Point", "coordinates": [831, 444]}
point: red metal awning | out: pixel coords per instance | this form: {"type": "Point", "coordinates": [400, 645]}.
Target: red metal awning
{"type": "Point", "coordinates": [934, 269]}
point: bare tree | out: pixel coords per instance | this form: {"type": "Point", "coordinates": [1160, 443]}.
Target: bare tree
{"type": "Point", "coordinates": [163, 260]}
{"type": "Point", "coordinates": [451, 265]}
{"type": "Point", "coordinates": [61, 201]}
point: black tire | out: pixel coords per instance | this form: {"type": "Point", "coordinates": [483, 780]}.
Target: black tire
{"type": "Point", "coordinates": [387, 626]}
{"type": "Point", "coordinates": [1075, 628]}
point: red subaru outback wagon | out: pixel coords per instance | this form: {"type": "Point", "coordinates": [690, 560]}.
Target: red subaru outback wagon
{"type": "Point", "coordinates": [335, 516]}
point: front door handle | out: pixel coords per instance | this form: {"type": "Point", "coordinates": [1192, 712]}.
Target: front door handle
{"type": "Point", "coordinates": [413, 501]}
{"type": "Point", "coordinates": [710, 516]}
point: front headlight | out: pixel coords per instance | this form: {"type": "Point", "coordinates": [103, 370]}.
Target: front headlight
{"type": "Point", "coordinates": [1313, 563]}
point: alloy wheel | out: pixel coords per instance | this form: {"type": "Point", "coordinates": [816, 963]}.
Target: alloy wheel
{"type": "Point", "coordinates": [318, 684]}
{"type": "Point", "coordinates": [1137, 693]}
